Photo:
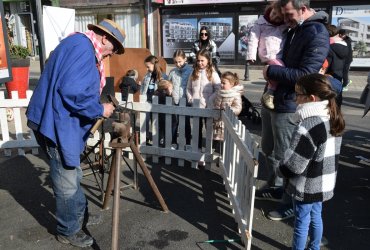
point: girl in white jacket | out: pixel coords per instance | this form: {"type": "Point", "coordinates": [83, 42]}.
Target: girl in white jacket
{"type": "Point", "coordinates": [203, 82]}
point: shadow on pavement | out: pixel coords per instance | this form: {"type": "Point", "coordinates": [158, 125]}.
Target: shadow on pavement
{"type": "Point", "coordinates": [349, 208]}
{"type": "Point", "coordinates": [30, 188]}
{"type": "Point", "coordinates": [197, 196]}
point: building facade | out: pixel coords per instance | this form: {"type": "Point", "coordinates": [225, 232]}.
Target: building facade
{"type": "Point", "coordinates": [166, 25]}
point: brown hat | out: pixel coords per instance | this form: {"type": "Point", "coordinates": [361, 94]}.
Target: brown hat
{"type": "Point", "coordinates": [113, 30]}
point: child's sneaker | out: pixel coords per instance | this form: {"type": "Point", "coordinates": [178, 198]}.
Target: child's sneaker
{"type": "Point", "coordinates": [346, 87]}
{"type": "Point", "coordinates": [282, 213]}
{"type": "Point", "coordinates": [268, 100]}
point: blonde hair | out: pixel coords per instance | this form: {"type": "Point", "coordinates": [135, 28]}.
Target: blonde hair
{"type": "Point", "coordinates": [164, 85]}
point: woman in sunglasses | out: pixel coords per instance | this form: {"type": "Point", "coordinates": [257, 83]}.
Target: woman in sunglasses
{"type": "Point", "coordinates": [205, 42]}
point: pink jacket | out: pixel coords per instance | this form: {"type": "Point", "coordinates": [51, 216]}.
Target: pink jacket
{"type": "Point", "coordinates": [268, 39]}
{"type": "Point", "coordinates": [202, 88]}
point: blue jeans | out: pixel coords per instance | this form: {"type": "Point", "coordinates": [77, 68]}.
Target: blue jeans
{"type": "Point", "coordinates": [277, 130]}
{"type": "Point", "coordinates": [71, 203]}
{"type": "Point", "coordinates": [307, 220]}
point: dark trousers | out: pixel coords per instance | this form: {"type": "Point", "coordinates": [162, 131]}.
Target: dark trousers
{"type": "Point", "coordinates": [246, 71]}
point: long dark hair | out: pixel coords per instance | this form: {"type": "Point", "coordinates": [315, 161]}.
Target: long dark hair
{"type": "Point", "coordinates": [157, 71]}
{"type": "Point", "coordinates": [319, 85]}
{"type": "Point", "coordinates": [209, 69]}
{"type": "Point", "coordinates": [204, 43]}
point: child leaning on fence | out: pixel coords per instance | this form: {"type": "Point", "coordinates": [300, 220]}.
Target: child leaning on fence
{"type": "Point", "coordinates": [165, 89]}
{"type": "Point", "coordinates": [152, 77]}
{"type": "Point", "coordinates": [148, 87]}
{"type": "Point", "coordinates": [228, 96]}
{"type": "Point", "coordinates": [310, 163]}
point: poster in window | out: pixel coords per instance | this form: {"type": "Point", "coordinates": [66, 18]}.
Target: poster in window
{"type": "Point", "coordinates": [178, 34]}
{"type": "Point", "coordinates": [222, 34]}
{"type": "Point", "coordinates": [5, 72]}
{"type": "Point", "coordinates": [181, 33]}
{"type": "Point", "coordinates": [246, 23]}
{"type": "Point", "coordinates": [355, 20]}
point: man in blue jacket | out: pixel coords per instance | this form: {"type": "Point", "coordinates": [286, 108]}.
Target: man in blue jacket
{"type": "Point", "coordinates": [63, 108]}
{"type": "Point", "coordinates": [304, 52]}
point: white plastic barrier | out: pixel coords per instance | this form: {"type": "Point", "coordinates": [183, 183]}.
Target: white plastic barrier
{"type": "Point", "coordinates": [14, 132]}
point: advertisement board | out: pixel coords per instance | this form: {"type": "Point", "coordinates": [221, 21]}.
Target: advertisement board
{"type": "Point", "coordinates": [181, 33]}
{"type": "Point", "coordinates": [355, 19]}
{"type": "Point", "coordinates": [246, 23]}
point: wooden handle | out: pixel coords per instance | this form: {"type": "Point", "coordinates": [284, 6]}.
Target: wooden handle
{"type": "Point", "coordinates": [96, 125]}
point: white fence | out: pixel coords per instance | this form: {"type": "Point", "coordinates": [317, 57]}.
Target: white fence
{"type": "Point", "coordinates": [193, 154]}
{"type": "Point", "coordinates": [238, 163]}
{"type": "Point", "coordinates": [239, 168]}
{"type": "Point", "coordinates": [239, 160]}
{"type": "Point", "coordinates": [14, 133]}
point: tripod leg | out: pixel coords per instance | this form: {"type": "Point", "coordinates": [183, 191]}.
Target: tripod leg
{"type": "Point", "coordinates": [116, 198]}
{"type": "Point", "coordinates": [109, 187]}
{"type": "Point", "coordinates": [148, 176]}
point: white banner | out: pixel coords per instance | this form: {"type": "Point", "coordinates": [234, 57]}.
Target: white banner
{"type": "Point", "coordinates": [355, 19]}
{"type": "Point", "coordinates": [190, 2]}
{"type": "Point", "coordinates": [58, 23]}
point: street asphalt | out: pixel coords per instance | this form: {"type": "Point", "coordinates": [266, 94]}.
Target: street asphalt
{"type": "Point", "coordinates": [197, 200]}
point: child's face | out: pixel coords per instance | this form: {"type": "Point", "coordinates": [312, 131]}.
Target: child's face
{"type": "Point", "coordinates": [226, 84]}
{"type": "Point", "coordinates": [202, 62]}
{"type": "Point", "coordinates": [179, 61]}
{"type": "Point", "coordinates": [149, 66]}
{"type": "Point", "coordinates": [276, 16]}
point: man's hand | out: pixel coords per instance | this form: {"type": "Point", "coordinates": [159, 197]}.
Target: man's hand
{"type": "Point", "coordinates": [265, 72]}
{"type": "Point", "coordinates": [108, 109]}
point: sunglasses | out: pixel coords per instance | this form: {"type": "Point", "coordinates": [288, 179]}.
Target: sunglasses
{"type": "Point", "coordinates": [203, 34]}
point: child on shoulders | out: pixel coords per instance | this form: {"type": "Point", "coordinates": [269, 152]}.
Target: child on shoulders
{"type": "Point", "coordinates": [267, 36]}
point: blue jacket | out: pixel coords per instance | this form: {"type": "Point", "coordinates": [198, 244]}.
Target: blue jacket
{"type": "Point", "coordinates": [66, 99]}
{"type": "Point", "coordinates": [305, 50]}
{"type": "Point", "coordinates": [179, 79]}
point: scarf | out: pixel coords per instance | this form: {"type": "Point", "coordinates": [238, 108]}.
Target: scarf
{"type": "Point", "coordinates": [99, 57]}
{"type": "Point", "coordinates": [309, 109]}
